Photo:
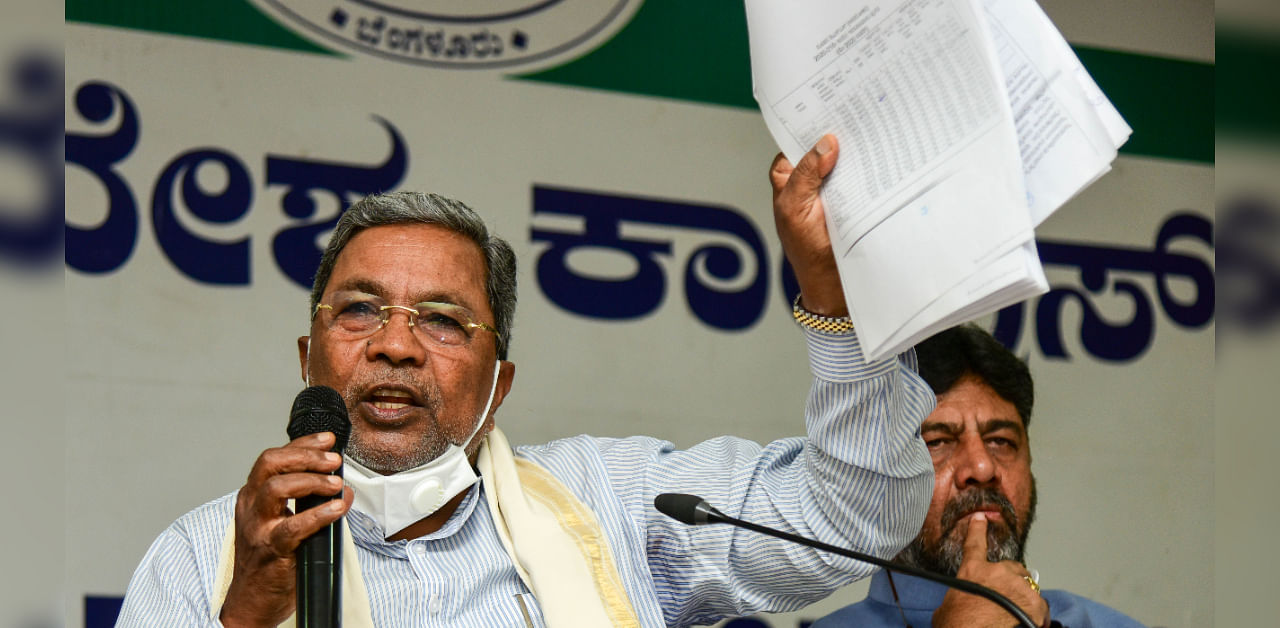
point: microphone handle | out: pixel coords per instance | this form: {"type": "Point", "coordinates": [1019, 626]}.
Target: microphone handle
{"type": "Point", "coordinates": [319, 560]}
{"type": "Point", "coordinates": [956, 583]}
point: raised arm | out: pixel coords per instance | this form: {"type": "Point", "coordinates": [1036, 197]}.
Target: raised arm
{"type": "Point", "coordinates": [861, 478]}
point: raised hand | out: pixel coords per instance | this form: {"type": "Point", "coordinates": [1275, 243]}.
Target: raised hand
{"type": "Point", "coordinates": [801, 221]}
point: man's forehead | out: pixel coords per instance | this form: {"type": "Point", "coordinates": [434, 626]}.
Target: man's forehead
{"type": "Point", "coordinates": [356, 286]}
{"type": "Point", "coordinates": [422, 259]}
{"type": "Point", "coordinates": [971, 400]}
{"type": "Point", "coordinates": [409, 234]}
{"type": "Point", "coordinates": [958, 425]}
{"type": "Point", "coordinates": [386, 243]}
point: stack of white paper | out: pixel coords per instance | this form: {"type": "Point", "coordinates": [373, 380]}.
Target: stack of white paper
{"type": "Point", "coordinates": [962, 125]}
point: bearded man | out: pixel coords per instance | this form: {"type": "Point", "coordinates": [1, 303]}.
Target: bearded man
{"type": "Point", "coordinates": [984, 500]}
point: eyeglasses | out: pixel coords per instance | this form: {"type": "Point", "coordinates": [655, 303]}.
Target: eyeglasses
{"type": "Point", "coordinates": [355, 315]}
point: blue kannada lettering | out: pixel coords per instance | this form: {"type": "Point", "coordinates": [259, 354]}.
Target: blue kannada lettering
{"type": "Point", "coordinates": [295, 248]}
{"type": "Point", "coordinates": [640, 294]}
{"type": "Point", "coordinates": [198, 258]}
{"type": "Point", "coordinates": [1118, 342]}
{"type": "Point", "coordinates": [107, 246]}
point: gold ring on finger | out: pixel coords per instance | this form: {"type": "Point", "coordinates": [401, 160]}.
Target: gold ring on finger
{"type": "Point", "coordinates": [1034, 585]}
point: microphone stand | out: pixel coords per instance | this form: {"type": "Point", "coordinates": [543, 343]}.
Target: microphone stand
{"type": "Point", "coordinates": [705, 513]}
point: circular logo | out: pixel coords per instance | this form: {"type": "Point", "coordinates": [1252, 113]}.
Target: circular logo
{"type": "Point", "coordinates": [458, 34]}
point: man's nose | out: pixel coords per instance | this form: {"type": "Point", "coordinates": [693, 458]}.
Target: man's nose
{"type": "Point", "coordinates": [974, 465]}
{"type": "Point", "coordinates": [395, 341]}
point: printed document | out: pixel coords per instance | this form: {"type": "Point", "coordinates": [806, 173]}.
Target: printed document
{"type": "Point", "coordinates": [962, 125]}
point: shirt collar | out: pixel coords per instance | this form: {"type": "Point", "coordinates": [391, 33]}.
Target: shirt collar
{"type": "Point", "coordinates": [914, 593]}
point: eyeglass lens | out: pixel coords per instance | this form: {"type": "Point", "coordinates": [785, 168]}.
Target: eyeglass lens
{"type": "Point", "coordinates": [362, 315]}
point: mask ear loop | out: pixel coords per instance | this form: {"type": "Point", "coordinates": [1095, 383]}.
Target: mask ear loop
{"type": "Point", "coordinates": [493, 390]}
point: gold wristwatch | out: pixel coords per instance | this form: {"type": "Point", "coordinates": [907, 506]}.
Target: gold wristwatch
{"type": "Point", "coordinates": [829, 324]}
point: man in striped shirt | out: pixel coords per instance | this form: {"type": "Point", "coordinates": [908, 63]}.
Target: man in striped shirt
{"type": "Point", "coordinates": [422, 389]}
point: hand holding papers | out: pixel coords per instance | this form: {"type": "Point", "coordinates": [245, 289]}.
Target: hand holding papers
{"type": "Point", "coordinates": [956, 138]}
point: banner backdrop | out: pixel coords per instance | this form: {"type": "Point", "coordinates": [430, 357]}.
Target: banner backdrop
{"type": "Point", "coordinates": [615, 144]}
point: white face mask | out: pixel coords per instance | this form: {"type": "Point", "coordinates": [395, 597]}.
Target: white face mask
{"type": "Point", "coordinates": [398, 501]}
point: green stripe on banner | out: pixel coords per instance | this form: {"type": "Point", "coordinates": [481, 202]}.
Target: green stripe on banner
{"type": "Point", "coordinates": [1168, 102]}
{"type": "Point", "coordinates": [1248, 101]}
{"type": "Point", "coordinates": [697, 51]}
{"type": "Point", "coordinates": [223, 20]}
{"type": "Point", "coordinates": [674, 49]}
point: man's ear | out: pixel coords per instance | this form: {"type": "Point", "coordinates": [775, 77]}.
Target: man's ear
{"type": "Point", "coordinates": [506, 375]}
{"type": "Point", "coordinates": [304, 348]}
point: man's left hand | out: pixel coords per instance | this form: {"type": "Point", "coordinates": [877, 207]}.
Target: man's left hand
{"type": "Point", "coordinates": [1008, 578]}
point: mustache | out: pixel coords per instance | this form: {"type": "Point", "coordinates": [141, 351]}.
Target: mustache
{"type": "Point", "coordinates": [974, 500]}
{"type": "Point", "coordinates": [354, 391]}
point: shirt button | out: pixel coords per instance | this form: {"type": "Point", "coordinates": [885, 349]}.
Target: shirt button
{"type": "Point", "coordinates": [434, 605]}
{"type": "Point", "coordinates": [420, 549]}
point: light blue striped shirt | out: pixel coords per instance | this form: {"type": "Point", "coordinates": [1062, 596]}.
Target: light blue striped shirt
{"type": "Point", "coordinates": [861, 479]}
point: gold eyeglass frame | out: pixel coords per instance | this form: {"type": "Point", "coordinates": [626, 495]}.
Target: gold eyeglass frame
{"type": "Point", "coordinates": [413, 314]}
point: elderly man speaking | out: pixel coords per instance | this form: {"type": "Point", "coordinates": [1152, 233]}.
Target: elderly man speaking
{"type": "Point", "coordinates": [411, 318]}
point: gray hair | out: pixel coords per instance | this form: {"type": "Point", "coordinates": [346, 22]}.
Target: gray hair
{"type": "Point", "coordinates": [397, 208]}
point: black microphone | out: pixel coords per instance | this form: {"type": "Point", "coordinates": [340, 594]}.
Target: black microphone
{"type": "Point", "coordinates": [694, 510]}
{"type": "Point", "coordinates": [689, 509]}
{"type": "Point", "coordinates": [319, 557]}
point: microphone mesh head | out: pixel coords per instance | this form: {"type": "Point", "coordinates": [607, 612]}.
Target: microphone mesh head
{"type": "Point", "coordinates": [681, 507]}
{"type": "Point", "coordinates": [320, 409]}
